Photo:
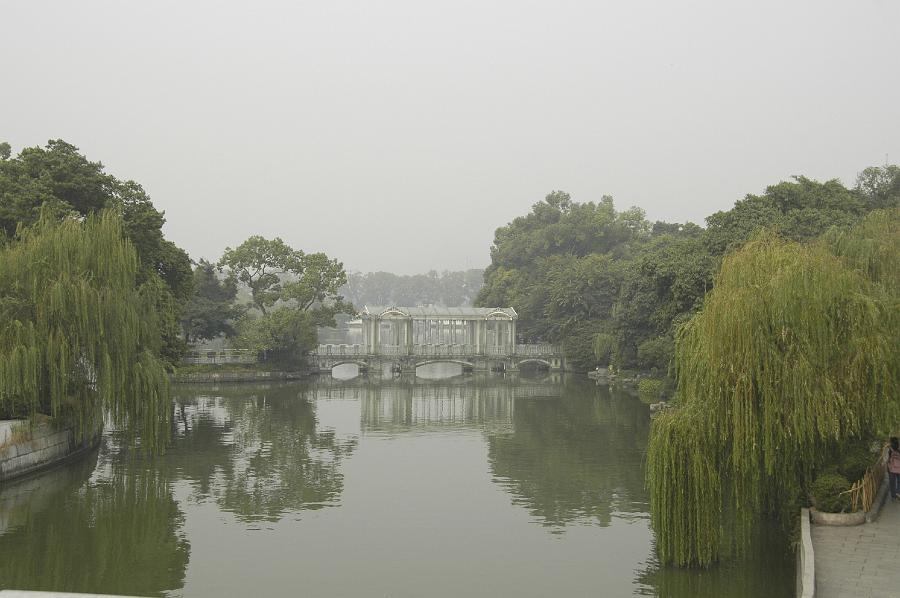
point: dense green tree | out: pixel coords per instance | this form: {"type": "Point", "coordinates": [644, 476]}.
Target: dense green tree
{"type": "Point", "coordinates": [284, 334]}
{"type": "Point", "coordinates": [260, 263]}
{"type": "Point", "coordinates": [211, 311]}
{"type": "Point", "coordinates": [794, 354]}
{"type": "Point", "coordinates": [879, 186]}
{"type": "Point", "coordinates": [799, 210]}
{"type": "Point", "coordinates": [574, 270]}
{"type": "Point", "coordinates": [315, 286]}
{"type": "Point", "coordinates": [57, 181]}
{"type": "Point", "coordinates": [302, 288]}
{"type": "Point", "coordinates": [559, 226]}
{"type": "Point", "coordinates": [562, 268]}
{"type": "Point", "coordinates": [661, 287]}
{"type": "Point", "coordinates": [77, 333]}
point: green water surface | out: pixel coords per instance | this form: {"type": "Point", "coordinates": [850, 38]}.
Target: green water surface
{"type": "Point", "coordinates": [413, 487]}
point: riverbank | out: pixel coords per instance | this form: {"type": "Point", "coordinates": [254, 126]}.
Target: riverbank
{"type": "Point", "coordinates": [235, 376]}
{"type": "Point", "coordinates": [28, 449]}
{"type": "Point", "coordinates": [238, 372]}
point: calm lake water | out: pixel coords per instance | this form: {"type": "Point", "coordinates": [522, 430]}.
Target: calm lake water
{"type": "Point", "coordinates": [464, 486]}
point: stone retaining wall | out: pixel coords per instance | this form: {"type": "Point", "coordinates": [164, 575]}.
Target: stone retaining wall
{"type": "Point", "coordinates": [236, 376]}
{"type": "Point", "coordinates": [24, 450]}
{"type": "Point", "coordinates": [806, 562]}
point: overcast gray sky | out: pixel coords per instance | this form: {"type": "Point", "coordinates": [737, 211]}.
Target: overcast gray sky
{"type": "Point", "coordinates": [398, 135]}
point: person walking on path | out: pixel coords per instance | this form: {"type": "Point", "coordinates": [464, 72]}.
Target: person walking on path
{"type": "Point", "coordinates": [893, 467]}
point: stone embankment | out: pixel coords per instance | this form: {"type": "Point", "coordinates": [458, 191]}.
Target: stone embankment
{"type": "Point", "coordinates": [235, 376]}
{"type": "Point", "coordinates": [25, 449]}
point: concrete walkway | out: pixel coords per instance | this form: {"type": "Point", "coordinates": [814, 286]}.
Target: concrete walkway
{"type": "Point", "coordinates": [860, 561]}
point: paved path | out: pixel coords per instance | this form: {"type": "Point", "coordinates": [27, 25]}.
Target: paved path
{"type": "Point", "coordinates": [861, 561]}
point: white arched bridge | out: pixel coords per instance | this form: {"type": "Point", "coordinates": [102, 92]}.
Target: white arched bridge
{"type": "Point", "coordinates": [405, 338]}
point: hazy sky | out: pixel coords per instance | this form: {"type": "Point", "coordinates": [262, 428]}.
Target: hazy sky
{"type": "Point", "coordinates": [398, 135]}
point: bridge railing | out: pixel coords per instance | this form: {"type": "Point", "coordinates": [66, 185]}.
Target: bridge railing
{"type": "Point", "coordinates": [443, 350]}
{"type": "Point", "coordinates": [339, 350]}
{"type": "Point", "coordinates": [221, 356]}
{"type": "Point", "coordinates": [541, 350]}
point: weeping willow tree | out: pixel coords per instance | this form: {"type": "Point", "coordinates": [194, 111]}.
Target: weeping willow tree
{"type": "Point", "coordinates": [78, 336]}
{"type": "Point", "coordinates": [794, 354]}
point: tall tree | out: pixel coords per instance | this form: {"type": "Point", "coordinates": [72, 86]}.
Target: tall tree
{"type": "Point", "coordinates": [57, 181]}
{"type": "Point", "coordinates": [799, 210]}
{"type": "Point", "coordinates": [318, 281]}
{"type": "Point", "coordinates": [794, 354]}
{"type": "Point", "coordinates": [211, 311]}
{"type": "Point", "coordinates": [77, 333]}
{"type": "Point", "coordinates": [259, 263]}
{"type": "Point", "coordinates": [879, 186]}
{"type": "Point", "coordinates": [304, 286]}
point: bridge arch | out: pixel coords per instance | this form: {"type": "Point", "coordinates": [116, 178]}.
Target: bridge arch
{"type": "Point", "coordinates": [536, 361]}
{"type": "Point", "coordinates": [362, 365]}
{"type": "Point", "coordinates": [464, 364]}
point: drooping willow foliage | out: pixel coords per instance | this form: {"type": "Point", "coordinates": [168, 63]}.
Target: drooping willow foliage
{"type": "Point", "coordinates": [77, 336]}
{"type": "Point", "coordinates": [794, 353]}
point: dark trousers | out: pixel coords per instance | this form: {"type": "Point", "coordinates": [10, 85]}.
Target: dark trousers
{"type": "Point", "coordinates": [895, 484]}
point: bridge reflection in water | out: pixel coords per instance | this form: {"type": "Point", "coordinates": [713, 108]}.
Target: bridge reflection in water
{"type": "Point", "coordinates": [405, 403]}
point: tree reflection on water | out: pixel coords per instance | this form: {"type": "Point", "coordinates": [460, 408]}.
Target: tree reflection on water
{"type": "Point", "coordinates": [257, 454]}
{"type": "Point", "coordinates": [575, 460]}
{"type": "Point", "coordinates": [118, 530]}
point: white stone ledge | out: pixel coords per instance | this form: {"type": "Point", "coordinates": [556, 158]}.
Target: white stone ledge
{"type": "Point", "coordinates": [45, 447]}
{"type": "Point", "coordinates": [806, 561]}
{"type": "Point", "coordinates": [34, 594]}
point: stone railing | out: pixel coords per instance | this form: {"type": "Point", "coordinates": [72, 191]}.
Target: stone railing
{"type": "Point", "coordinates": [443, 350]}
{"type": "Point", "coordinates": [339, 350]}
{"type": "Point", "coordinates": [541, 350]}
{"type": "Point", "coordinates": [220, 357]}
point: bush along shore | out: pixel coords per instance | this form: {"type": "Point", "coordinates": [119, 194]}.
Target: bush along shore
{"type": "Point", "coordinates": [255, 372]}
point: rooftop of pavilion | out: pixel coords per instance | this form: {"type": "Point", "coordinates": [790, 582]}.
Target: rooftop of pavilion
{"type": "Point", "coordinates": [438, 313]}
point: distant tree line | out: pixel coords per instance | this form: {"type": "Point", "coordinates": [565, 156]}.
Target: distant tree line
{"type": "Point", "coordinates": [613, 287]}
{"type": "Point", "coordinates": [447, 289]}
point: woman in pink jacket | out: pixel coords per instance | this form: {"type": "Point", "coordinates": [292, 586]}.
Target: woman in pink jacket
{"type": "Point", "coordinates": [893, 467]}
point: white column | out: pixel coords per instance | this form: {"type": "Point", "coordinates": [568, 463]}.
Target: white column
{"type": "Point", "coordinates": [408, 336]}
{"type": "Point", "coordinates": [365, 335]}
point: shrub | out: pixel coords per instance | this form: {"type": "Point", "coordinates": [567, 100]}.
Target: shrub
{"type": "Point", "coordinates": [826, 492]}
{"type": "Point", "coordinates": [854, 462]}
{"type": "Point", "coordinates": [649, 389]}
